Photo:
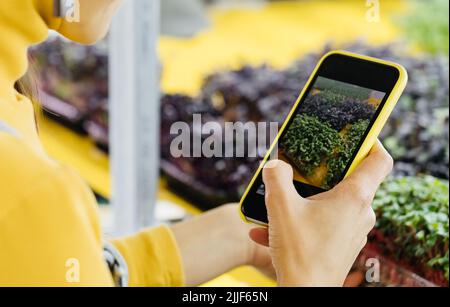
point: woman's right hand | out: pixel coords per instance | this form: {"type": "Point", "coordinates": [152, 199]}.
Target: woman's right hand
{"type": "Point", "coordinates": [315, 241]}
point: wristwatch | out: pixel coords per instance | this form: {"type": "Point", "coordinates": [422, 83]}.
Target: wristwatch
{"type": "Point", "coordinates": [116, 264]}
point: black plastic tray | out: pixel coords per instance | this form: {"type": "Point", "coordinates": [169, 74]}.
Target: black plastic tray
{"type": "Point", "coordinates": [192, 190]}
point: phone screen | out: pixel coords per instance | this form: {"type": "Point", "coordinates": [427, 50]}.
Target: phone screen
{"type": "Point", "coordinates": [325, 132]}
{"type": "Point", "coordinates": [328, 127]}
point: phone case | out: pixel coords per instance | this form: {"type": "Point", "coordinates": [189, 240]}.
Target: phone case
{"type": "Point", "coordinates": [374, 132]}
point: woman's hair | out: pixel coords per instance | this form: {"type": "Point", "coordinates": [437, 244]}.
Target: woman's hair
{"type": "Point", "coordinates": [28, 87]}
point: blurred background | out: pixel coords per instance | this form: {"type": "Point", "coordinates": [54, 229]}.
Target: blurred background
{"type": "Point", "coordinates": [247, 61]}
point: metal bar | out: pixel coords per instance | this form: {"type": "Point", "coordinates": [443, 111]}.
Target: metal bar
{"type": "Point", "coordinates": [134, 114]}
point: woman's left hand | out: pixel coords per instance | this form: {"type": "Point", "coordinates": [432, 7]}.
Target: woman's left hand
{"type": "Point", "coordinates": [261, 259]}
{"type": "Point", "coordinates": [258, 255]}
{"type": "Point", "coordinates": [216, 242]}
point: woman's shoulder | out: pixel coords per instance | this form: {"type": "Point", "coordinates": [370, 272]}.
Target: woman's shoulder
{"type": "Point", "coordinates": [18, 158]}
{"type": "Point", "coordinates": [26, 172]}
{"type": "Point", "coordinates": [21, 166]}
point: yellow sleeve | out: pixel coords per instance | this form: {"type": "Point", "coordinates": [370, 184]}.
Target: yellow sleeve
{"type": "Point", "coordinates": [153, 258]}
{"type": "Point", "coordinates": [49, 233]}
{"type": "Point", "coordinates": [47, 239]}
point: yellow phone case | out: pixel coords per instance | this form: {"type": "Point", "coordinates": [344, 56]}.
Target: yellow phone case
{"type": "Point", "coordinates": [374, 132]}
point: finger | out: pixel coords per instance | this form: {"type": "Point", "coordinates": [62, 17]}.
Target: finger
{"type": "Point", "coordinates": [372, 171]}
{"type": "Point", "coordinates": [278, 178]}
{"type": "Point", "coordinates": [376, 167]}
{"type": "Point", "coordinates": [260, 236]}
{"type": "Point", "coordinates": [354, 279]}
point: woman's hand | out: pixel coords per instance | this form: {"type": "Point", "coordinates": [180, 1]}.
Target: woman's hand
{"type": "Point", "coordinates": [315, 241]}
{"type": "Point", "coordinates": [216, 242]}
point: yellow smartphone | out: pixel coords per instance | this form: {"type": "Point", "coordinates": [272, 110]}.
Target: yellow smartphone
{"type": "Point", "coordinates": [332, 126]}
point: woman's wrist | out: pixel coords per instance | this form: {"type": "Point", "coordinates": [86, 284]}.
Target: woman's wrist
{"type": "Point", "coordinates": [218, 238]}
{"type": "Point", "coordinates": [238, 234]}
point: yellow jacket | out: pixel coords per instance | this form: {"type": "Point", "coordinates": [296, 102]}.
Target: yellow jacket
{"type": "Point", "coordinates": [48, 216]}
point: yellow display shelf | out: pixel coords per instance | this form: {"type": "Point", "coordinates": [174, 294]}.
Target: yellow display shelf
{"type": "Point", "coordinates": [276, 34]}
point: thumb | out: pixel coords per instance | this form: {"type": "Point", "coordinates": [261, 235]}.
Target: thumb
{"type": "Point", "coordinates": [366, 179]}
{"type": "Point", "coordinates": [278, 178]}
